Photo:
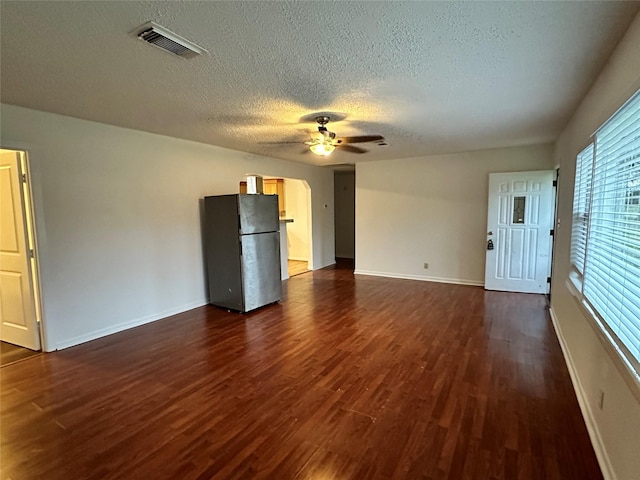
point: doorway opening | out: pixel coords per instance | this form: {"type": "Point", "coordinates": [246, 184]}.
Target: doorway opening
{"type": "Point", "coordinates": [298, 209]}
{"type": "Point", "coordinates": [294, 205]}
{"type": "Point", "coordinates": [521, 212]}
{"type": "Point", "coordinates": [344, 194]}
{"type": "Point", "coordinates": [20, 312]}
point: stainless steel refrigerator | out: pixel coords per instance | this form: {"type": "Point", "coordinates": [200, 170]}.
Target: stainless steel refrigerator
{"type": "Point", "coordinates": [242, 244]}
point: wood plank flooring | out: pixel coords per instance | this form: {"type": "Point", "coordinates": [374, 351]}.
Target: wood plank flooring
{"type": "Point", "coordinates": [346, 378]}
{"type": "Point", "coordinates": [296, 267]}
{"type": "Point", "coordinates": [10, 353]}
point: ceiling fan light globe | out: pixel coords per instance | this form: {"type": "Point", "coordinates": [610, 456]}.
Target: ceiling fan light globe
{"type": "Point", "coordinates": [322, 149]}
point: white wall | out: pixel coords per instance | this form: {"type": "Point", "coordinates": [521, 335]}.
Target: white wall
{"type": "Point", "coordinates": [118, 219]}
{"type": "Point", "coordinates": [345, 216]}
{"type": "Point", "coordinates": [298, 231]}
{"type": "Point", "coordinates": [615, 430]}
{"type": "Point", "coordinates": [432, 209]}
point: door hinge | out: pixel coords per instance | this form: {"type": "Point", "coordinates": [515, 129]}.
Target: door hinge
{"type": "Point", "coordinates": [555, 183]}
{"type": "Point", "coordinates": [24, 178]}
{"type": "Point", "coordinates": [32, 254]}
{"type": "Point", "coordinates": [552, 232]}
{"type": "Point", "coordinates": [548, 279]}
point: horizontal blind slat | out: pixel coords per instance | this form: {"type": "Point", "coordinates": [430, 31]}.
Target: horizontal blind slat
{"type": "Point", "coordinates": [610, 189]}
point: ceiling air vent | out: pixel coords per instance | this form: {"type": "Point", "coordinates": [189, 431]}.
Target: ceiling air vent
{"type": "Point", "coordinates": [162, 38]}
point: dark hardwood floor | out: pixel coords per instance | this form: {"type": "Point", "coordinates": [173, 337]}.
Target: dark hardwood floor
{"type": "Point", "coordinates": [10, 353]}
{"type": "Point", "coordinates": [346, 378]}
{"type": "Point", "coordinates": [296, 267]}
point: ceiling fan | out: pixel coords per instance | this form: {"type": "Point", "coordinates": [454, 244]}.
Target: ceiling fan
{"type": "Point", "coordinates": [326, 142]}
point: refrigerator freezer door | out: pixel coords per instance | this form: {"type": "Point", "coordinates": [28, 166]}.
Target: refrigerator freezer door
{"type": "Point", "coordinates": [258, 213]}
{"type": "Point", "coordinates": [261, 282]}
{"type": "Point", "coordinates": [222, 247]}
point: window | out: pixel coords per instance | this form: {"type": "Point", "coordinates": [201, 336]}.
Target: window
{"type": "Point", "coordinates": [605, 243]}
{"type": "Point", "coordinates": [581, 204]}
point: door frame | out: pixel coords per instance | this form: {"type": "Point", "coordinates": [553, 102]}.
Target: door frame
{"type": "Point", "coordinates": [309, 208]}
{"type": "Point", "coordinates": [551, 223]}
{"type": "Point", "coordinates": [29, 219]}
{"type": "Point", "coordinates": [556, 186]}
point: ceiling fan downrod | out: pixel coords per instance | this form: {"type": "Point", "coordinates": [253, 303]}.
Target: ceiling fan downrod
{"type": "Point", "coordinates": [322, 126]}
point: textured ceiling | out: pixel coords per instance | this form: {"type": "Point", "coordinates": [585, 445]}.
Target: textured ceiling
{"type": "Point", "coordinates": [431, 77]}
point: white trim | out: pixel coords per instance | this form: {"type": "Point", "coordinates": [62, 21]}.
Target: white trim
{"type": "Point", "coordinates": [405, 276]}
{"type": "Point", "coordinates": [574, 286]}
{"type": "Point", "coordinates": [298, 259]}
{"type": "Point", "coordinates": [87, 337]}
{"type": "Point", "coordinates": [628, 101]}
{"type": "Point", "coordinates": [587, 415]}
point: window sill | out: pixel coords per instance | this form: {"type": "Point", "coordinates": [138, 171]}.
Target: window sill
{"type": "Point", "coordinates": [574, 285]}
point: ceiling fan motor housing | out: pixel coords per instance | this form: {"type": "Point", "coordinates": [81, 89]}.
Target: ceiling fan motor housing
{"type": "Point", "coordinates": [322, 127]}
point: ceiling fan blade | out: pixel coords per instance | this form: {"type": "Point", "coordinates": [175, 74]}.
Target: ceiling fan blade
{"type": "Point", "coordinates": [362, 139]}
{"type": "Point", "coordinates": [351, 148]}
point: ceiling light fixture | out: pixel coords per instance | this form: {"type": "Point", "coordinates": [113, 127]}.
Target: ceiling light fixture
{"type": "Point", "coordinates": [323, 149]}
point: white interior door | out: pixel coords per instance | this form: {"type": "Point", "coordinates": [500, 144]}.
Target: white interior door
{"type": "Point", "coordinates": [18, 323]}
{"type": "Point", "coordinates": [519, 224]}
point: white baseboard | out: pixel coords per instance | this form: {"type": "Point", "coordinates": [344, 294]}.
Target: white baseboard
{"type": "Point", "coordinates": [111, 329]}
{"type": "Point", "coordinates": [319, 267]}
{"type": "Point", "coordinates": [587, 414]}
{"type": "Point", "coordinates": [298, 259]}
{"type": "Point", "coordinates": [457, 281]}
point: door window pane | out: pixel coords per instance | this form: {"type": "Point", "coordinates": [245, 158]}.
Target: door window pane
{"type": "Point", "coordinates": [518, 209]}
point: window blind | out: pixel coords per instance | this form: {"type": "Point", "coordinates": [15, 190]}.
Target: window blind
{"type": "Point", "coordinates": [581, 205]}
{"type": "Point", "coordinates": [611, 281]}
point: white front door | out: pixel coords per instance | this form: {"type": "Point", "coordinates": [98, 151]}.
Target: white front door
{"type": "Point", "coordinates": [18, 323]}
{"type": "Point", "coordinates": [519, 224]}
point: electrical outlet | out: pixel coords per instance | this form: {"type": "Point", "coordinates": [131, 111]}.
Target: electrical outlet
{"type": "Point", "coordinates": [426, 265]}
{"type": "Point", "coordinates": [601, 400]}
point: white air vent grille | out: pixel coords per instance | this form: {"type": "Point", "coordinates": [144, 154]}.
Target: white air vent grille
{"type": "Point", "coordinates": [162, 38]}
